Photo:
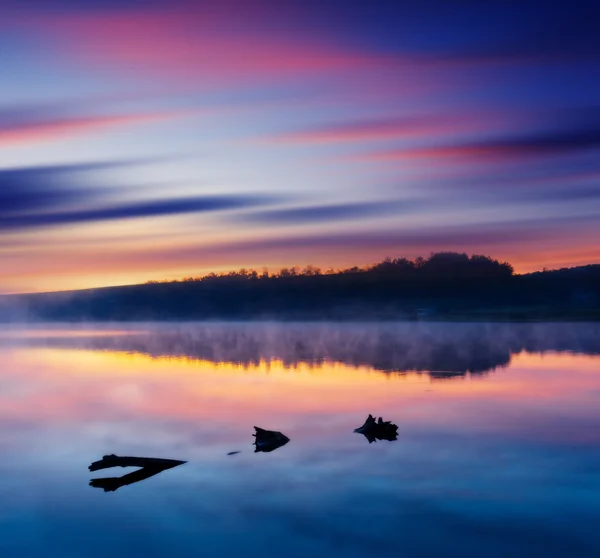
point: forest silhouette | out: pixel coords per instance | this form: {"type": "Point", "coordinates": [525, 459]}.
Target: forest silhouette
{"type": "Point", "coordinates": [441, 265]}
{"type": "Point", "coordinates": [447, 285]}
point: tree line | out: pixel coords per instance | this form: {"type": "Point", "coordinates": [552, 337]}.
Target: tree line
{"type": "Point", "coordinates": [442, 265]}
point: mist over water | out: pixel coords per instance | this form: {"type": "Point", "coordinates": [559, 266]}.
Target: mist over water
{"type": "Point", "coordinates": [498, 449]}
{"type": "Point", "coordinates": [387, 347]}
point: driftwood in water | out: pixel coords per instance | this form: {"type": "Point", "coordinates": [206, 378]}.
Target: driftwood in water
{"type": "Point", "coordinates": [150, 466]}
{"type": "Point", "coordinates": [374, 430]}
{"type": "Point", "coordinates": [110, 484]}
{"type": "Point", "coordinates": [115, 461]}
{"type": "Point", "coordinates": [268, 440]}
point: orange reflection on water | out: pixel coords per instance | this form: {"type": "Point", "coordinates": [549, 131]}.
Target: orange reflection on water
{"type": "Point", "coordinates": [187, 388]}
{"type": "Point", "coordinates": [83, 386]}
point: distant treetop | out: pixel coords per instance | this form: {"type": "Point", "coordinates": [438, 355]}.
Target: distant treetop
{"type": "Point", "coordinates": [439, 265]}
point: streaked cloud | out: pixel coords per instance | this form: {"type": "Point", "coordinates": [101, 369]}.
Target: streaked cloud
{"type": "Point", "coordinates": [147, 208]}
{"type": "Point", "coordinates": [38, 188]}
{"type": "Point", "coordinates": [193, 42]}
{"type": "Point", "coordinates": [330, 213]}
{"type": "Point", "coordinates": [573, 137]}
{"type": "Point", "coordinates": [48, 196]}
{"type": "Point", "coordinates": [377, 129]}
{"type": "Point", "coordinates": [22, 127]}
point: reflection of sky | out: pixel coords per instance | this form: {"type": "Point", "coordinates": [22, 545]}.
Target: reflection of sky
{"type": "Point", "coordinates": [443, 127]}
{"type": "Point", "coordinates": [495, 465]}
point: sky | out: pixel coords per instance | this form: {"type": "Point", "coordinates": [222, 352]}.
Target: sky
{"type": "Point", "coordinates": [148, 140]}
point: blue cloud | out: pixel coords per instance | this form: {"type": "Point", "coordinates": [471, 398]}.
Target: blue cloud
{"type": "Point", "coordinates": [38, 188]}
{"type": "Point", "coordinates": [45, 196]}
{"type": "Point", "coordinates": [327, 213]}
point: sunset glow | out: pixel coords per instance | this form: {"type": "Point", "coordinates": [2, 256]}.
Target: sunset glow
{"type": "Point", "coordinates": [120, 122]}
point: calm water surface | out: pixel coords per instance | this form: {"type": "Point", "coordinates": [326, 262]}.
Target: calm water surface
{"type": "Point", "coordinates": [498, 450]}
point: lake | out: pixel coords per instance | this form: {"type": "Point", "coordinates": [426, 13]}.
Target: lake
{"type": "Point", "coordinates": [497, 453]}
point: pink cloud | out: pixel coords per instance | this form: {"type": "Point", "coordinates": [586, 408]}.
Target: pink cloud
{"type": "Point", "coordinates": [189, 45]}
{"type": "Point", "coordinates": [59, 128]}
{"type": "Point", "coordinates": [409, 127]}
{"type": "Point", "coordinates": [370, 130]}
{"type": "Point", "coordinates": [212, 48]}
{"type": "Point", "coordinates": [449, 153]}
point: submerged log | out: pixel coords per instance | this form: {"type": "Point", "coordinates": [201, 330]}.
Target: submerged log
{"type": "Point", "coordinates": [379, 429]}
{"type": "Point", "coordinates": [268, 440]}
{"type": "Point", "coordinates": [110, 484]}
{"type": "Point", "coordinates": [150, 466]}
{"type": "Point", "coordinates": [115, 461]}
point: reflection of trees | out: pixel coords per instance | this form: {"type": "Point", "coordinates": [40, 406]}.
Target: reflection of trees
{"type": "Point", "coordinates": [441, 349]}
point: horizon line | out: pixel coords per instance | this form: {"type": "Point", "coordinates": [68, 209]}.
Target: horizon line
{"type": "Point", "coordinates": [272, 274]}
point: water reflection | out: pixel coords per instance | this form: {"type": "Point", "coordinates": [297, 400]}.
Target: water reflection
{"type": "Point", "coordinates": [503, 464]}
{"type": "Point", "coordinates": [441, 350]}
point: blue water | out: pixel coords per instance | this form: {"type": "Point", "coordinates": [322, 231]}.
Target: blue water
{"type": "Point", "coordinates": [498, 449]}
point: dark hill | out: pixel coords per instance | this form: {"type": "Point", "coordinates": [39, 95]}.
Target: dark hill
{"type": "Point", "coordinates": [444, 286]}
